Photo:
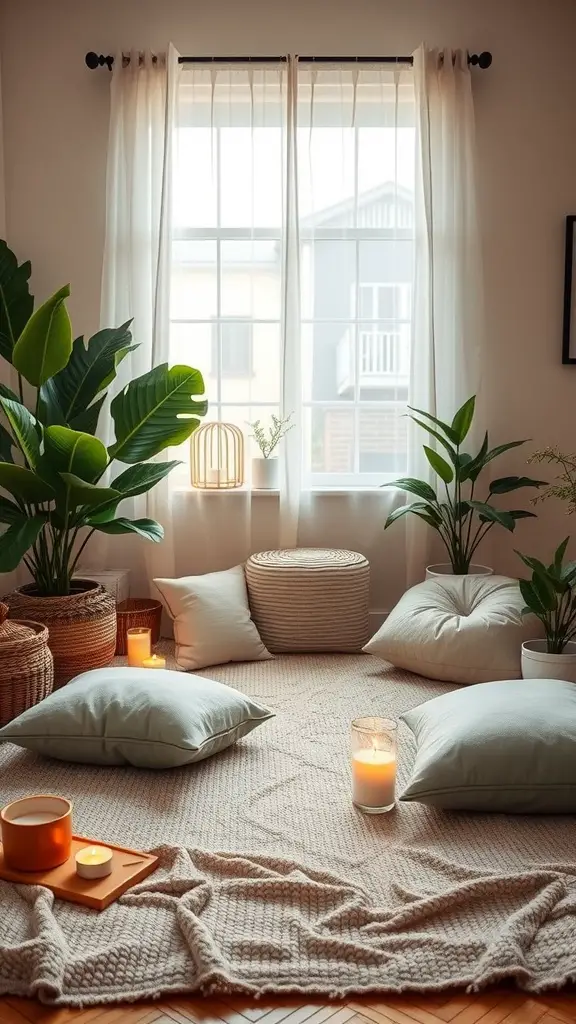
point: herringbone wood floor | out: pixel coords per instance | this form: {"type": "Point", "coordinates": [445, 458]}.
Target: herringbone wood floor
{"type": "Point", "coordinates": [498, 1006]}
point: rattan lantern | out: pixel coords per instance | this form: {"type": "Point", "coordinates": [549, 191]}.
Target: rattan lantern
{"type": "Point", "coordinates": [217, 457]}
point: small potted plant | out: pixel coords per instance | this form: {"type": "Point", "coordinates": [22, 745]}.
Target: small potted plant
{"type": "Point", "coordinates": [265, 475]}
{"type": "Point", "coordinates": [550, 596]}
{"type": "Point", "coordinates": [460, 519]}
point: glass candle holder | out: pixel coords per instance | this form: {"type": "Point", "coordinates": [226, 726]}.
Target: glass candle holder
{"type": "Point", "coordinates": [138, 645]}
{"type": "Point", "coordinates": [374, 764]}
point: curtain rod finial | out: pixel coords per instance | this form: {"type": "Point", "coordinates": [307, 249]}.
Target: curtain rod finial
{"type": "Point", "coordinates": [95, 60]}
{"type": "Point", "coordinates": [483, 60]}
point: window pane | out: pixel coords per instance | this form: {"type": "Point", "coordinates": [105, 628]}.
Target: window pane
{"type": "Point", "coordinates": [382, 439]}
{"type": "Point", "coordinates": [329, 362]}
{"type": "Point", "coordinates": [331, 435]}
{"type": "Point", "coordinates": [191, 344]}
{"type": "Point", "coordinates": [251, 177]}
{"type": "Point", "coordinates": [251, 279]}
{"type": "Point", "coordinates": [194, 280]}
{"type": "Point", "coordinates": [262, 382]}
{"type": "Point", "coordinates": [385, 264]}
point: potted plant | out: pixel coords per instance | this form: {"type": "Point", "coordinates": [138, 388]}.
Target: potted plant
{"type": "Point", "coordinates": [460, 519]}
{"type": "Point", "coordinates": [52, 463]}
{"type": "Point", "coordinates": [550, 596]}
{"type": "Point", "coordinates": [265, 475]}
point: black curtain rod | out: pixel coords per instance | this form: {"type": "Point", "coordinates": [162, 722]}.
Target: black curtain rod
{"type": "Point", "coordinates": [95, 60]}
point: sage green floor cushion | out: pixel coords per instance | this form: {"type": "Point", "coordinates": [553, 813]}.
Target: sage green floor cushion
{"type": "Point", "coordinates": [142, 717]}
{"type": "Point", "coordinates": [502, 746]}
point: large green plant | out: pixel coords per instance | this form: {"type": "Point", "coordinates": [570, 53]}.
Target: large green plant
{"type": "Point", "coordinates": [551, 595]}
{"type": "Point", "coordinates": [51, 462]}
{"type": "Point", "coordinates": [461, 520]}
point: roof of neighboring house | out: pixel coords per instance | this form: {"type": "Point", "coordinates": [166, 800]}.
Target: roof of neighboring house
{"type": "Point", "coordinates": [338, 211]}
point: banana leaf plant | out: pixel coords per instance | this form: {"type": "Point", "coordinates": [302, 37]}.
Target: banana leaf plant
{"type": "Point", "coordinates": [461, 520]}
{"type": "Point", "coordinates": [551, 595]}
{"type": "Point", "coordinates": [51, 461]}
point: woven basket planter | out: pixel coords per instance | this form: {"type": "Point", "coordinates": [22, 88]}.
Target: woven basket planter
{"type": "Point", "coordinates": [27, 674]}
{"type": "Point", "coordinates": [310, 599]}
{"type": "Point", "coordinates": [81, 626]}
{"type": "Point", "coordinates": [137, 613]}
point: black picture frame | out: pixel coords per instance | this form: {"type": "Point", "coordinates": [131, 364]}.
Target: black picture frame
{"type": "Point", "coordinates": [569, 324]}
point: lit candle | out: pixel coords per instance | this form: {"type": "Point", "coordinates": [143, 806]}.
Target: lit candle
{"type": "Point", "coordinates": [94, 862]}
{"type": "Point", "coordinates": [373, 778]}
{"type": "Point", "coordinates": [373, 764]}
{"type": "Point", "coordinates": [155, 661]}
{"type": "Point", "coordinates": [138, 644]}
{"type": "Point", "coordinates": [213, 476]}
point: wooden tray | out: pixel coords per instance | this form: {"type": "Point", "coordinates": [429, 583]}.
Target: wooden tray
{"type": "Point", "coordinates": [97, 893]}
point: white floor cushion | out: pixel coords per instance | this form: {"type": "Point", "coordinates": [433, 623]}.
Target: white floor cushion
{"type": "Point", "coordinates": [463, 629]}
{"type": "Point", "coordinates": [212, 622]}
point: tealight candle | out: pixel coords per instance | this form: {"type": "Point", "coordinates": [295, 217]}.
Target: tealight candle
{"type": "Point", "coordinates": [373, 764]}
{"type": "Point", "coordinates": [94, 862]}
{"type": "Point", "coordinates": [154, 661]}
{"type": "Point", "coordinates": [138, 643]}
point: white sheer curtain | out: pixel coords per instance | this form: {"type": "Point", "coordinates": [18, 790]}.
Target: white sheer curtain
{"type": "Point", "coordinates": [448, 296]}
{"type": "Point", "coordinates": [136, 269]}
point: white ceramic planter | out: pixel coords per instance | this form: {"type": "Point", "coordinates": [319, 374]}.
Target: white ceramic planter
{"type": "Point", "coordinates": [537, 663]}
{"type": "Point", "coordinates": [265, 474]}
{"type": "Point", "coordinates": [445, 569]}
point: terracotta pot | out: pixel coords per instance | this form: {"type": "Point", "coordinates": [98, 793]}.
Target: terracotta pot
{"type": "Point", "coordinates": [36, 832]}
{"type": "Point", "coordinates": [81, 626]}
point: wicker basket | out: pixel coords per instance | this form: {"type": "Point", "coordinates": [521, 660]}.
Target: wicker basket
{"type": "Point", "coordinates": [137, 613]}
{"type": "Point", "coordinates": [27, 668]}
{"type": "Point", "coordinates": [82, 626]}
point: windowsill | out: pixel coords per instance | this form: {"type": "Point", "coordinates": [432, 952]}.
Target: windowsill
{"type": "Point", "coordinates": [275, 492]}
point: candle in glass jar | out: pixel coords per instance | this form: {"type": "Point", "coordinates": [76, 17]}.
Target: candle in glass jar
{"type": "Point", "coordinates": [138, 643]}
{"type": "Point", "coordinates": [373, 764]}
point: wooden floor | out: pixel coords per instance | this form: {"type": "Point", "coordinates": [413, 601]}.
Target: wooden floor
{"type": "Point", "coordinates": [501, 1006]}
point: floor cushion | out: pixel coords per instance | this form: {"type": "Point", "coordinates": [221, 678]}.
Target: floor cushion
{"type": "Point", "coordinates": [461, 629]}
{"type": "Point", "coordinates": [504, 746]}
{"type": "Point", "coordinates": [138, 716]}
{"type": "Point", "coordinates": [310, 599]}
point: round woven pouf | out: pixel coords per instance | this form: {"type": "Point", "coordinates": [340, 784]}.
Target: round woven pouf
{"type": "Point", "coordinates": [310, 599]}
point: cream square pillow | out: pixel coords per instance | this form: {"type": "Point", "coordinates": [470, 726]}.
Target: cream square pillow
{"type": "Point", "coordinates": [461, 629]}
{"type": "Point", "coordinates": [212, 622]}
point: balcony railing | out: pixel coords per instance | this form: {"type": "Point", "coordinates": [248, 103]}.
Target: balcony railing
{"type": "Point", "coordinates": [383, 357]}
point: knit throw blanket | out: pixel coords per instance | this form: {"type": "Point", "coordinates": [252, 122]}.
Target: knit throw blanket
{"type": "Point", "coordinates": [270, 881]}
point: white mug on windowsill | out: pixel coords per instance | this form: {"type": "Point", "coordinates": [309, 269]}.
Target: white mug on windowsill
{"type": "Point", "coordinates": [265, 474]}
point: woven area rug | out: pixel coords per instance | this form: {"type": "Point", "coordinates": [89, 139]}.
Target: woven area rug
{"type": "Point", "coordinates": [271, 881]}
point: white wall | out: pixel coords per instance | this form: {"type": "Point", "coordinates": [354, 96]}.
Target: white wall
{"type": "Point", "coordinates": [55, 115]}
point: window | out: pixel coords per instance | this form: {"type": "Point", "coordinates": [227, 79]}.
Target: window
{"type": "Point", "coordinates": [235, 256]}
{"type": "Point", "coordinates": [232, 348]}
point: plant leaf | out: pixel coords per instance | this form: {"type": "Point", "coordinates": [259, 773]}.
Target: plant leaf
{"type": "Point", "coordinates": [87, 421]}
{"type": "Point", "coordinates": [45, 344]}
{"type": "Point", "coordinates": [501, 448]}
{"type": "Point", "coordinates": [490, 514]}
{"type": "Point", "coordinates": [463, 418]}
{"type": "Point", "coordinates": [9, 512]}
{"type": "Point", "coordinates": [512, 483]}
{"type": "Point", "coordinates": [450, 433]}
{"type": "Point", "coordinates": [560, 552]}
{"type": "Point", "coordinates": [414, 507]}
{"type": "Point", "coordinates": [82, 493]}
{"type": "Point", "coordinates": [442, 440]}
{"type": "Point", "coordinates": [71, 451]}
{"type": "Point", "coordinates": [155, 411]}
{"type": "Point", "coordinates": [418, 487]}
{"type": "Point", "coordinates": [135, 480]}
{"type": "Point", "coordinates": [6, 445]}
{"type": "Point", "coordinates": [16, 302]}
{"type": "Point", "coordinates": [545, 592]}
{"type": "Point", "coordinates": [17, 539]}
{"type": "Point", "coordinates": [533, 602]}
{"type": "Point", "coordinates": [439, 465]}
{"type": "Point", "coordinates": [24, 484]}
{"type": "Point", "coordinates": [473, 468]}
{"type": "Point", "coordinates": [533, 563]}
{"type": "Point", "coordinates": [520, 513]}
{"type": "Point", "coordinates": [91, 368]}
{"type": "Point", "coordinates": [24, 428]}
{"type": "Point", "coordinates": [148, 528]}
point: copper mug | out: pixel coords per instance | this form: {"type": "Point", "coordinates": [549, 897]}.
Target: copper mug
{"type": "Point", "coordinates": [36, 832]}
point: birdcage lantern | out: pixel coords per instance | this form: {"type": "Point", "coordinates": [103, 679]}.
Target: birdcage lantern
{"type": "Point", "coordinates": [217, 457]}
